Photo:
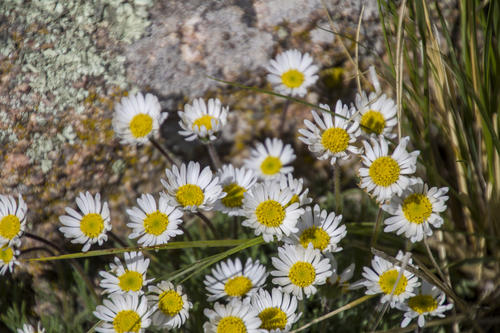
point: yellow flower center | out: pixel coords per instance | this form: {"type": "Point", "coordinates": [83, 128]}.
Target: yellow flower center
{"type": "Point", "coordinates": [204, 121]}
{"type": "Point", "coordinates": [384, 171]}
{"type": "Point", "coordinates": [190, 195]}
{"type": "Point", "coordinates": [302, 274]}
{"type": "Point", "coordinates": [292, 78]}
{"type": "Point", "coordinates": [141, 125]}
{"type": "Point", "coordinates": [234, 197]}
{"type": "Point", "coordinates": [271, 165]}
{"type": "Point", "coordinates": [373, 122]}
{"type": "Point", "coordinates": [155, 223]}
{"type": "Point", "coordinates": [295, 199]}
{"type": "Point", "coordinates": [272, 318]}
{"type": "Point", "coordinates": [130, 281]}
{"type": "Point", "coordinates": [170, 303]}
{"type": "Point", "coordinates": [270, 213]}
{"type": "Point", "coordinates": [127, 321]}
{"type": "Point", "coordinates": [92, 225]}
{"type": "Point", "coordinates": [6, 255]}
{"type": "Point", "coordinates": [317, 236]}
{"type": "Point", "coordinates": [231, 324]}
{"type": "Point", "coordinates": [238, 286]}
{"type": "Point", "coordinates": [417, 208]}
{"type": "Point", "coordinates": [422, 303]}
{"type": "Point", "coordinates": [388, 279]}
{"type": "Point", "coordinates": [9, 226]}
{"type": "Point", "coordinates": [335, 140]}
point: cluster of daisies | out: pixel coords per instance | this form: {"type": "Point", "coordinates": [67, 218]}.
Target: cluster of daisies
{"type": "Point", "coordinates": [268, 199]}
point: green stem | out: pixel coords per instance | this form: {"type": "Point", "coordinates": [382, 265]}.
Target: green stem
{"type": "Point", "coordinates": [376, 227]}
{"type": "Point", "coordinates": [336, 188]}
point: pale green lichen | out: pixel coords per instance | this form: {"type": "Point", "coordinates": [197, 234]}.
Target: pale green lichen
{"type": "Point", "coordinates": [118, 166]}
{"type": "Point", "coordinates": [60, 53]}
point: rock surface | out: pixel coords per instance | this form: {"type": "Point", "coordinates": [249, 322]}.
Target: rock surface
{"type": "Point", "coordinates": [64, 66]}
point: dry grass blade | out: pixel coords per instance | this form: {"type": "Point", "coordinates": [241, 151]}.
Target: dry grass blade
{"type": "Point", "coordinates": [334, 312]}
{"type": "Point", "coordinates": [399, 65]}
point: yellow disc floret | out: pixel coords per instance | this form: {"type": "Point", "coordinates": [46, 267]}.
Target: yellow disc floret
{"type": "Point", "coordinates": [335, 140]}
{"type": "Point", "coordinates": [387, 280]}
{"type": "Point", "coordinates": [130, 281]}
{"type": "Point", "coordinates": [231, 324]}
{"type": "Point", "coordinates": [92, 225]}
{"type": "Point", "coordinates": [272, 319]}
{"type": "Point", "coordinates": [271, 165]}
{"type": "Point", "coordinates": [317, 236]}
{"type": "Point", "coordinates": [238, 286]}
{"type": "Point", "coordinates": [190, 195]}
{"type": "Point", "coordinates": [141, 125]}
{"type": "Point", "coordinates": [155, 223]}
{"type": "Point", "coordinates": [373, 122]}
{"type": "Point", "coordinates": [384, 171]}
{"type": "Point", "coordinates": [295, 199]}
{"type": "Point", "coordinates": [205, 120]}
{"type": "Point", "coordinates": [6, 255]}
{"type": "Point", "coordinates": [292, 78]}
{"type": "Point", "coordinates": [170, 303]}
{"type": "Point", "coordinates": [234, 197]}
{"type": "Point", "coordinates": [302, 274]}
{"type": "Point", "coordinates": [270, 213]}
{"type": "Point", "coordinates": [422, 303]}
{"type": "Point", "coordinates": [417, 208]}
{"type": "Point", "coordinates": [127, 321]}
{"type": "Point", "coordinates": [9, 226]}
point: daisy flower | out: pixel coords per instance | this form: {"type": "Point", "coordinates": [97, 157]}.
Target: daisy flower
{"type": "Point", "coordinates": [333, 136]}
{"type": "Point", "coordinates": [300, 270]}
{"type": "Point", "coordinates": [8, 258]}
{"type": "Point", "coordinates": [291, 73]}
{"type": "Point", "coordinates": [123, 313]}
{"type": "Point", "coordinates": [382, 279]}
{"type": "Point", "coordinates": [89, 228]}
{"type": "Point", "coordinates": [201, 120]}
{"type": "Point", "coordinates": [137, 118]}
{"type": "Point", "coordinates": [428, 302]}
{"type": "Point", "coordinates": [385, 175]}
{"type": "Point", "coordinates": [154, 225]}
{"type": "Point", "coordinates": [277, 310]}
{"type": "Point", "coordinates": [236, 317]}
{"type": "Point", "coordinates": [297, 187]}
{"type": "Point", "coordinates": [416, 210]}
{"type": "Point", "coordinates": [191, 189]}
{"type": "Point", "coordinates": [232, 280]}
{"type": "Point", "coordinates": [172, 303]}
{"type": "Point", "coordinates": [126, 279]}
{"type": "Point", "coordinates": [346, 275]}
{"type": "Point", "coordinates": [27, 328]}
{"type": "Point", "coordinates": [267, 211]}
{"type": "Point", "coordinates": [376, 114]}
{"type": "Point", "coordinates": [12, 219]}
{"type": "Point", "coordinates": [235, 182]}
{"type": "Point", "coordinates": [320, 229]}
{"type": "Point", "coordinates": [270, 160]}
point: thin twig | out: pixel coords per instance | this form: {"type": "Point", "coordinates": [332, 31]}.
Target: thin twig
{"type": "Point", "coordinates": [117, 239]}
{"type": "Point", "coordinates": [37, 248]}
{"type": "Point", "coordinates": [207, 221]}
{"type": "Point", "coordinates": [433, 260]}
{"type": "Point", "coordinates": [283, 117]}
{"type": "Point", "coordinates": [214, 156]}
{"type": "Point", "coordinates": [162, 150]}
{"type": "Point", "coordinates": [336, 189]}
{"type": "Point", "coordinates": [75, 264]}
{"type": "Point", "coordinates": [376, 227]}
